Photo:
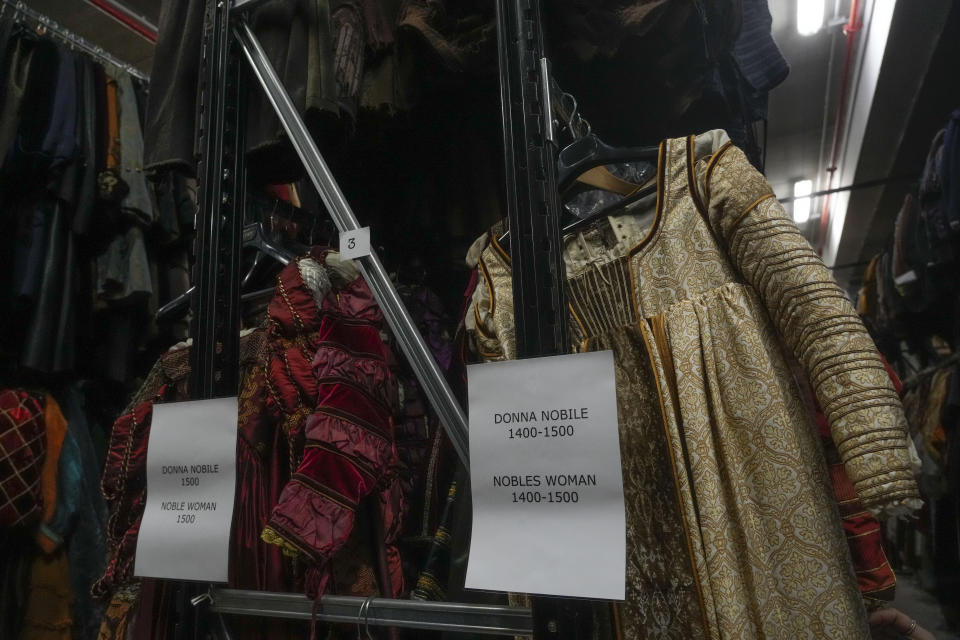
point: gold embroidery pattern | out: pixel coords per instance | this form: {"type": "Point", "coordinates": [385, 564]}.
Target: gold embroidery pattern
{"type": "Point", "coordinates": [662, 593]}
{"type": "Point", "coordinates": [822, 329]}
{"type": "Point", "coordinates": [682, 258]}
{"type": "Point", "coordinates": [490, 325]}
{"type": "Point", "coordinates": [774, 552]}
{"type": "Point", "coordinates": [768, 555]}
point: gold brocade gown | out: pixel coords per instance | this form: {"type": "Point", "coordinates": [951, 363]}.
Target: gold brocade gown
{"type": "Point", "coordinates": [732, 530]}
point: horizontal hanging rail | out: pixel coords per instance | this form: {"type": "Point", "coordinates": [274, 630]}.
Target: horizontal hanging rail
{"type": "Point", "coordinates": [410, 614]}
{"type": "Point", "coordinates": [97, 52]}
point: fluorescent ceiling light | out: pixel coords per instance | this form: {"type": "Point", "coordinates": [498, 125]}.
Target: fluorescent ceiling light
{"type": "Point", "coordinates": [809, 16]}
{"type": "Point", "coordinates": [801, 200]}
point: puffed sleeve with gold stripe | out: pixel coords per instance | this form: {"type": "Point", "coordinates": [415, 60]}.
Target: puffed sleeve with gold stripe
{"type": "Point", "coordinates": [819, 324]}
{"type": "Point", "coordinates": [489, 320]}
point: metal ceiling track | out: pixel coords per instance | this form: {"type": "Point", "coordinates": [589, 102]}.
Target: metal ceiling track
{"type": "Point", "coordinates": [17, 10]}
{"type": "Point", "coordinates": [120, 12]}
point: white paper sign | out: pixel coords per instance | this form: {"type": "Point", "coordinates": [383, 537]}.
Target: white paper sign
{"type": "Point", "coordinates": [191, 481]}
{"type": "Point", "coordinates": [548, 513]}
{"type": "Point", "coordinates": [355, 244]}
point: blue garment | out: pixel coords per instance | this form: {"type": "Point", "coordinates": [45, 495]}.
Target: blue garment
{"type": "Point", "coordinates": [25, 165]}
{"type": "Point", "coordinates": [80, 519]}
{"type": "Point", "coordinates": [15, 74]}
{"type": "Point", "coordinates": [743, 75]}
{"type": "Point", "coordinates": [761, 63]}
{"type": "Point", "coordinates": [60, 139]}
{"type": "Point", "coordinates": [33, 223]}
{"type": "Point", "coordinates": [950, 173]}
{"type": "Point", "coordinates": [933, 204]}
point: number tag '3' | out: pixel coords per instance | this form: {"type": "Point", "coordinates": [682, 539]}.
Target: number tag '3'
{"type": "Point", "coordinates": [355, 244]}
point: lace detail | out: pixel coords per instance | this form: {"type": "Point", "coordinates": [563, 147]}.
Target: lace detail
{"type": "Point", "coordinates": [316, 278]}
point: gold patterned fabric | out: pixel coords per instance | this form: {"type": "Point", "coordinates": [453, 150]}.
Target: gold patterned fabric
{"type": "Point", "coordinates": [697, 292]}
{"type": "Point", "coordinates": [662, 591]}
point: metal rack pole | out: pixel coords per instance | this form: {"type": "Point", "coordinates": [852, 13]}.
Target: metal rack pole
{"type": "Point", "coordinates": [410, 614]}
{"type": "Point", "coordinates": [408, 336]}
{"type": "Point", "coordinates": [539, 300]}
{"type": "Point", "coordinates": [216, 296]}
{"type": "Point", "coordinates": [536, 252]}
{"type": "Point", "coordinates": [216, 271]}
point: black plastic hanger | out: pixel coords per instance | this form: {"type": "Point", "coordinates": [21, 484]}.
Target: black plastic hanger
{"type": "Point", "coordinates": [588, 152]}
{"type": "Point", "coordinates": [254, 237]}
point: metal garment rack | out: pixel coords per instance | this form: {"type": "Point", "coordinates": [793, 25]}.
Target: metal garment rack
{"type": "Point", "coordinates": [44, 23]}
{"type": "Point", "coordinates": [536, 252]}
{"type": "Point", "coordinates": [540, 305]}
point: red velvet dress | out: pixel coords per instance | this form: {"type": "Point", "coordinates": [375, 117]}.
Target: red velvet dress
{"type": "Point", "coordinates": [346, 451]}
{"type": "Point", "coordinates": [316, 396]}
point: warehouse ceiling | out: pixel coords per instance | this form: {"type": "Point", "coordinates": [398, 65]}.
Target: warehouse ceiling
{"type": "Point", "coordinates": [901, 92]}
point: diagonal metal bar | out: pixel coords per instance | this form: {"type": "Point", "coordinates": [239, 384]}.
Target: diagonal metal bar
{"type": "Point", "coordinates": [411, 342]}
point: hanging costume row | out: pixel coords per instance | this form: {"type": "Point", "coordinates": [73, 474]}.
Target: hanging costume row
{"type": "Point", "coordinates": [52, 518]}
{"type": "Point", "coordinates": [89, 245]}
{"type": "Point", "coordinates": [726, 329]}
{"type": "Point", "coordinates": [908, 300]}
{"type": "Point", "coordinates": [76, 285]}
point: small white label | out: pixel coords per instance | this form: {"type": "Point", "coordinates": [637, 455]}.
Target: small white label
{"type": "Point", "coordinates": [191, 482]}
{"type": "Point", "coordinates": [906, 278]}
{"type": "Point", "coordinates": [546, 483]}
{"type": "Point", "coordinates": [355, 244]}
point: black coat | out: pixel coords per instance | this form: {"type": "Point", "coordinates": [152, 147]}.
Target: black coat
{"type": "Point", "coordinates": [296, 36]}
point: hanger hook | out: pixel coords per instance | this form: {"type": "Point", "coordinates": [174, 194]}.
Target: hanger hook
{"type": "Point", "coordinates": [586, 123]}
{"type": "Point", "coordinates": [363, 614]}
{"type": "Point", "coordinates": [366, 619]}
{"type": "Point", "coordinates": [578, 125]}
{"type": "Point", "coordinates": [574, 109]}
{"type": "Point", "coordinates": [206, 596]}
